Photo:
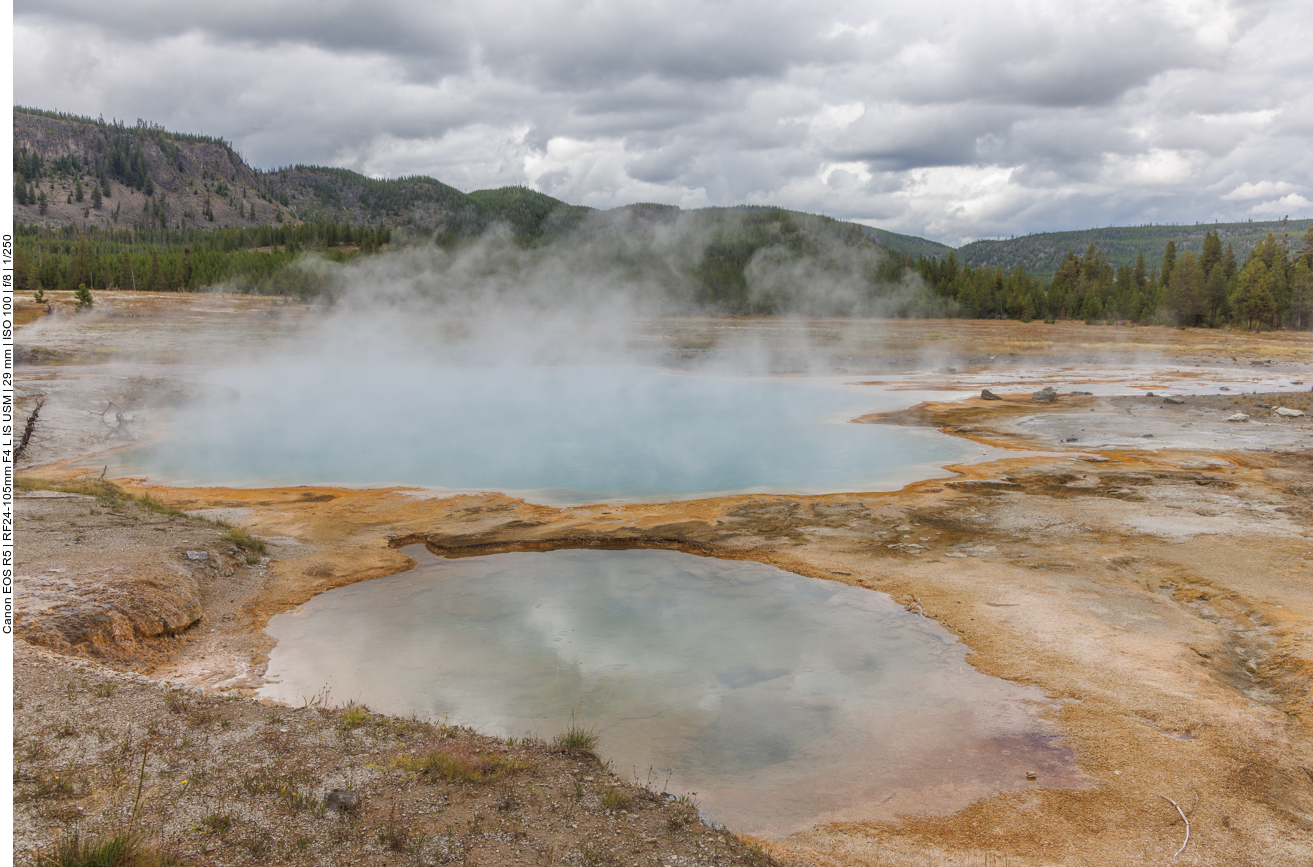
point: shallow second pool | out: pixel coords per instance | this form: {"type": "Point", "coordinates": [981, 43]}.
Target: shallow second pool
{"type": "Point", "coordinates": [782, 701]}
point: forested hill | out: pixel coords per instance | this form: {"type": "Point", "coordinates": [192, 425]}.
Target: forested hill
{"type": "Point", "coordinates": [1044, 253]}
{"type": "Point", "coordinates": [76, 171]}
{"type": "Point", "coordinates": [72, 171]}
{"type": "Point", "coordinates": [105, 205]}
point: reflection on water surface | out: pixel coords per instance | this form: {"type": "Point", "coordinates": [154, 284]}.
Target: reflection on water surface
{"type": "Point", "coordinates": [781, 700]}
{"type": "Point", "coordinates": [561, 434]}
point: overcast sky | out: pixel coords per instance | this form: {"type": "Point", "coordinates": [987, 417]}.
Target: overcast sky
{"type": "Point", "coordinates": [947, 119]}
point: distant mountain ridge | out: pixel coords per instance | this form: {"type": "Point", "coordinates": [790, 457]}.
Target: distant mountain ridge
{"type": "Point", "coordinates": [1043, 253]}
{"type": "Point", "coordinates": [202, 182]}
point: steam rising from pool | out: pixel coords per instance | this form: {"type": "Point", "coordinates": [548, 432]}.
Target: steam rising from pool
{"type": "Point", "coordinates": [781, 700]}
{"type": "Point", "coordinates": [562, 433]}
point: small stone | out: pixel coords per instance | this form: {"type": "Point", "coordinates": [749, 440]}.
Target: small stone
{"type": "Point", "coordinates": [1174, 400]}
{"type": "Point", "coordinates": [1240, 416]}
{"type": "Point", "coordinates": [1031, 775]}
{"type": "Point", "coordinates": [986, 394]}
{"type": "Point", "coordinates": [1044, 395]}
{"type": "Point", "coordinates": [1287, 412]}
{"type": "Point", "coordinates": [198, 555]}
{"type": "Point", "coordinates": [342, 800]}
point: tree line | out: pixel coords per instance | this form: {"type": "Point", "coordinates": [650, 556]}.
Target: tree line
{"type": "Point", "coordinates": [1272, 288]}
{"type": "Point", "coordinates": [251, 259]}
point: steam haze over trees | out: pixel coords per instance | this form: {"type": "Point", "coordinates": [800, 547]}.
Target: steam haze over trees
{"type": "Point", "coordinates": [189, 227]}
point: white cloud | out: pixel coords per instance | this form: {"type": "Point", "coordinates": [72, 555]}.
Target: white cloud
{"type": "Point", "coordinates": [944, 118]}
{"type": "Point", "coordinates": [1260, 190]}
{"type": "Point", "coordinates": [1290, 205]}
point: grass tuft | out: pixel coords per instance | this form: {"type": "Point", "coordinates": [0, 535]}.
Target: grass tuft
{"type": "Point", "coordinates": [614, 799]}
{"type": "Point", "coordinates": [575, 739]}
{"type": "Point", "coordinates": [124, 849]}
{"type": "Point", "coordinates": [353, 716]}
{"type": "Point", "coordinates": [219, 823]}
{"type": "Point", "coordinates": [253, 545]}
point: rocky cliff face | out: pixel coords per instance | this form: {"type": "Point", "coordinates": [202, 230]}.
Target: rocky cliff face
{"type": "Point", "coordinates": [150, 178]}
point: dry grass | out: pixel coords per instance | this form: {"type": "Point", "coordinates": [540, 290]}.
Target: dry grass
{"type": "Point", "coordinates": [456, 768]}
{"type": "Point", "coordinates": [233, 782]}
{"type": "Point", "coordinates": [120, 849]}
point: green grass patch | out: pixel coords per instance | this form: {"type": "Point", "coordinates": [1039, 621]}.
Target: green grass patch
{"type": "Point", "coordinates": [253, 545]}
{"type": "Point", "coordinates": [107, 493]}
{"type": "Point", "coordinates": [110, 495]}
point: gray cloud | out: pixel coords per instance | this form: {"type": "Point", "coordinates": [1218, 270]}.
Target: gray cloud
{"type": "Point", "coordinates": [945, 118]}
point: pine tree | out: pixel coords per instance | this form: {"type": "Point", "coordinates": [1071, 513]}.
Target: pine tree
{"type": "Point", "coordinates": [95, 198]}
{"type": "Point", "coordinates": [1211, 256]}
{"type": "Point", "coordinates": [83, 296]}
{"type": "Point", "coordinates": [77, 189]}
{"type": "Point", "coordinates": [20, 192]}
{"type": "Point", "coordinates": [104, 186]}
{"type": "Point", "coordinates": [1301, 294]}
{"type": "Point", "coordinates": [155, 281]}
{"type": "Point", "coordinates": [42, 202]}
{"type": "Point", "coordinates": [1185, 291]}
{"type": "Point", "coordinates": [1169, 262]}
{"type": "Point", "coordinates": [126, 278]}
{"type": "Point", "coordinates": [1253, 296]}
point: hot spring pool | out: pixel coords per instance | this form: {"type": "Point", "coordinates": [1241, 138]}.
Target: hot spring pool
{"type": "Point", "coordinates": [553, 434]}
{"type": "Point", "coordinates": [782, 701]}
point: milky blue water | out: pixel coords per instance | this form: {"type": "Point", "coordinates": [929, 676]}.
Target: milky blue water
{"type": "Point", "coordinates": [781, 700]}
{"type": "Point", "coordinates": [556, 434]}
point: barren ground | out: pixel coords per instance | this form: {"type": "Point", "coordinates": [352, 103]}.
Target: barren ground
{"type": "Point", "coordinates": [1146, 564]}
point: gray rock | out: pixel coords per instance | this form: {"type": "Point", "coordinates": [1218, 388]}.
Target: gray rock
{"type": "Point", "coordinates": [1287, 412]}
{"type": "Point", "coordinates": [1045, 395]}
{"type": "Point", "coordinates": [1240, 416]}
{"type": "Point", "coordinates": [986, 394]}
{"type": "Point", "coordinates": [198, 555]}
{"type": "Point", "coordinates": [1170, 399]}
{"type": "Point", "coordinates": [342, 800]}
